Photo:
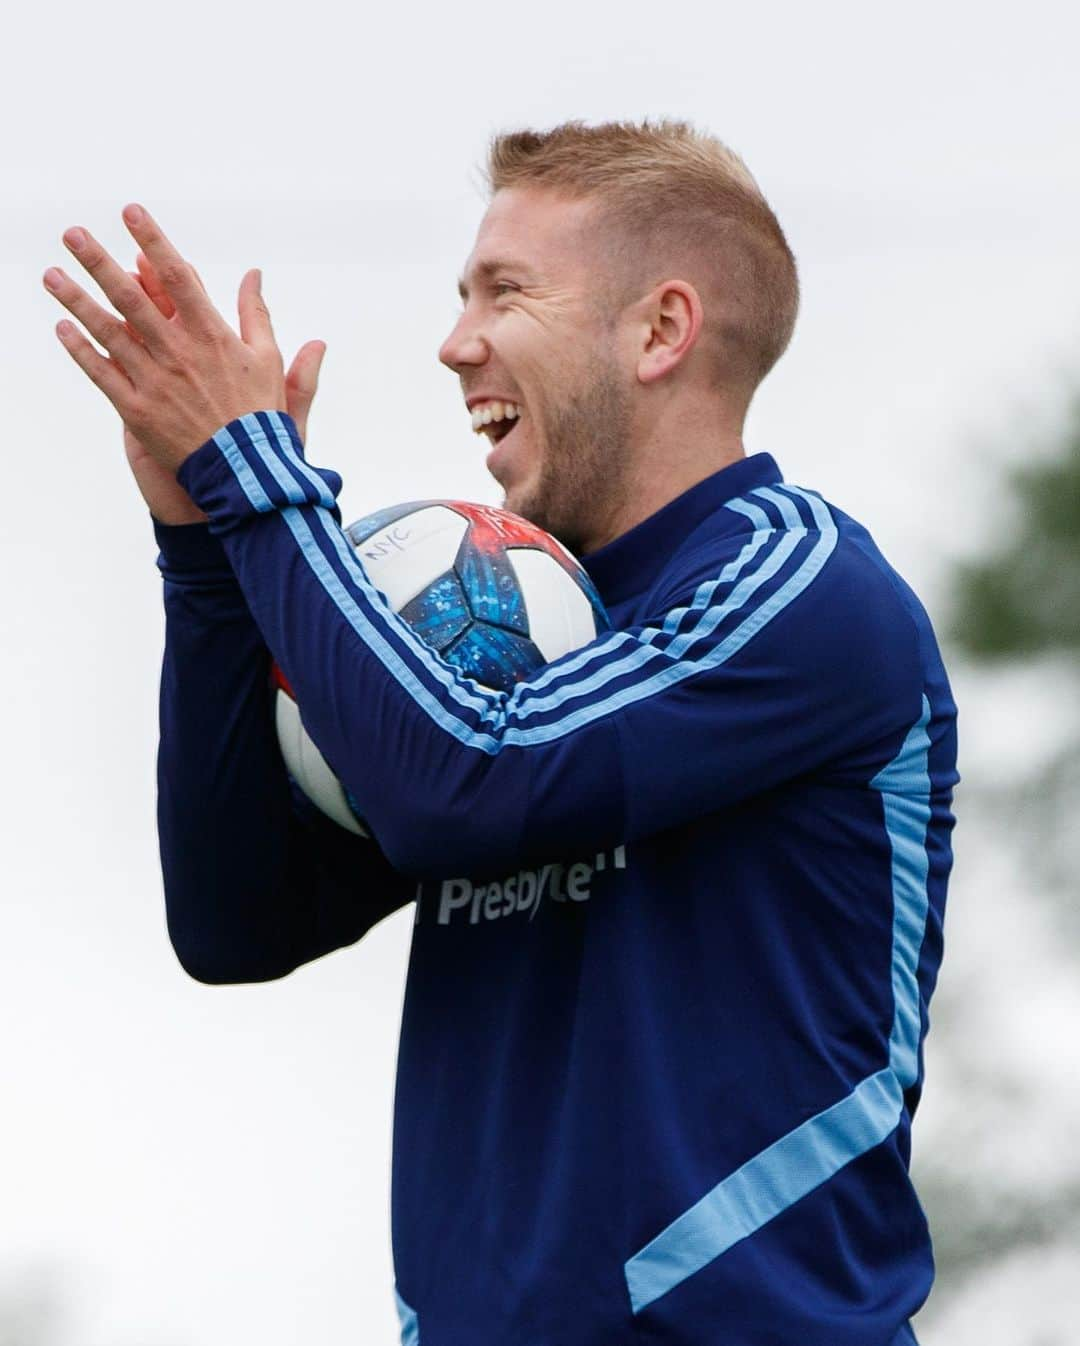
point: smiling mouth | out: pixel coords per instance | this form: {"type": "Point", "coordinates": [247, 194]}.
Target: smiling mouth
{"type": "Point", "coordinates": [500, 429]}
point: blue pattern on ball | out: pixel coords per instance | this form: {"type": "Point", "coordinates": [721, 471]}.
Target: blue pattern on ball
{"type": "Point", "coordinates": [440, 613]}
{"type": "Point", "coordinates": [491, 586]}
{"type": "Point", "coordinates": [494, 657]}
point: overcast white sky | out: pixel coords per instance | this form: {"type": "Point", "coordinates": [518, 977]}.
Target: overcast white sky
{"type": "Point", "coordinates": [201, 1166]}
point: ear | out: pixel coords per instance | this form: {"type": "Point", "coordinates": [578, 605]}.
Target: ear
{"type": "Point", "coordinates": [673, 318]}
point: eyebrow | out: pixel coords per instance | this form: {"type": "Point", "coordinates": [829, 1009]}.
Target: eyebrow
{"type": "Point", "coordinates": [485, 270]}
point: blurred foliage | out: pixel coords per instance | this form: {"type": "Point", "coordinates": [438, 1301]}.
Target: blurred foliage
{"type": "Point", "coordinates": [1024, 598]}
{"type": "Point", "coordinates": [1019, 603]}
{"type": "Point", "coordinates": [1022, 601]}
{"type": "Point", "coordinates": [974, 1225]}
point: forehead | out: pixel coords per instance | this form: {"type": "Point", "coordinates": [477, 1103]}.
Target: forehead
{"type": "Point", "coordinates": [538, 233]}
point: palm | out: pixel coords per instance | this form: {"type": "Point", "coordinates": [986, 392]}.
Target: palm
{"type": "Point", "coordinates": [165, 497]}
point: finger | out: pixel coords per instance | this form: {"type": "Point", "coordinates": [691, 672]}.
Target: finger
{"type": "Point", "coordinates": [125, 295]}
{"type": "Point", "coordinates": [255, 326]}
{"type": "Point", "coordinates": [177, 277]}
{"type": "Point", "coordinates": [151, 283]}
{"type": "Point", "coordinates": [105, 327]}
{"type": "Point", "coordinates": [100, 371]}
{"type": "Point", "coordinates": [302, 382]}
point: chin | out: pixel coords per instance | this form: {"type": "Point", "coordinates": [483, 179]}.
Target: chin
{"type": "Point", "coordinates": [517, 500]}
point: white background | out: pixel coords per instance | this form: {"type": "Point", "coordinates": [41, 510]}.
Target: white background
{"type": "Point", "coordinates": [193, 1166]}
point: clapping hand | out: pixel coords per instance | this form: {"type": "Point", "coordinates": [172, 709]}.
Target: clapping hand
{"type": "Point", "coordinates": [173, 369]}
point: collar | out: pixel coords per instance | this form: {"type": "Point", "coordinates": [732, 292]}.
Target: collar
{"type": "Point", "coordinates": [628, 564]}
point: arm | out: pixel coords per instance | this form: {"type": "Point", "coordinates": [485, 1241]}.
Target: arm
{"type": "Point", "coordinates": [782, 660]}
{"type": "Point", "coordinates": [255, 883]}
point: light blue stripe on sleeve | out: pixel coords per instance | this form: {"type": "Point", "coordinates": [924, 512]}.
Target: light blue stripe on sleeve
{"type": "Point", "coordinates": [294, 493]}
{"type": "Point", "coordinates": [784, 503]}
{"type": "Point", "coordinates": [249, 482]}
{"type": "Point", "coordinates": [677, 672]}
{"type": "Point", "coordinates": [797, 1163]}
{"type": "Point", "coordinates": [739, 596]}
{"type": "Point", "coordinates": [711, 617]}
{"type": "Point", "coordinates": [410, 1326]}
{"type": "Point", "coordinates": [705, 591]}
{"type": "Point", "coordinates": [757, 516]}
{"type": "Point", "coordinates": [285, 444]}
{"type": "Point", "coordinates": [495, 709]}
{"type": "Point", "coordinates": [565, 669]}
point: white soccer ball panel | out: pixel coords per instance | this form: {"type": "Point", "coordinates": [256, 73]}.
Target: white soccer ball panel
{"type": "Point", "coordinates": [403, 558]}
{"type": "Point", "coordinates": [308, 767]}
{"type": "Point", "coordinates": [561, 617]}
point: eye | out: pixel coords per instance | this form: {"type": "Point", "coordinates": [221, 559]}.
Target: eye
{"type": "Point", "coordinates": [502, 286]}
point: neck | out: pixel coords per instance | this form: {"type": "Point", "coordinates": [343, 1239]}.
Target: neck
{"type": "Point", "coordinates": [661, 470]}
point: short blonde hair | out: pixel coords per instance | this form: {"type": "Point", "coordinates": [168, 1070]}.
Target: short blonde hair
{"type": "Point", "coordinates": [671, 195]}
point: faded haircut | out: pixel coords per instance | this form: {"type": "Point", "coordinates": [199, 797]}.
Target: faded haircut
{"type": "Point", "coordinates": [671, 201]}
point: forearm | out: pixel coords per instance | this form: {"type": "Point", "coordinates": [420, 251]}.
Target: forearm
{"type": "Point", "coordinates": [252, 888]}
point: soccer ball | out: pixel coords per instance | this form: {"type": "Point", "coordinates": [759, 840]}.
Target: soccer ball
{"type": "Point", "coordinates": [491, 593]}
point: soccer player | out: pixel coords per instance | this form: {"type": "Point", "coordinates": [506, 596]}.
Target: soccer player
{"type": "Point", "coordinates": [680, 896]}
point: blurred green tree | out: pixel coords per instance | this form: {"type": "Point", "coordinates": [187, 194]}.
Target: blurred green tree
{"type": "Point", "coordinates": [1015, 606]}
{"type": "Point", "coordinates": [1024, 598]}
{"type": "Point", "coordinates": [1021, 602]}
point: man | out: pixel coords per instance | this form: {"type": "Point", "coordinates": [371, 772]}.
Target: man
{"type": "Point", "coordinates": [679, 898]}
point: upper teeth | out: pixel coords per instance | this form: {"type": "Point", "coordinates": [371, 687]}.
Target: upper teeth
{"type": "Point", "coordinates": [487, 412]}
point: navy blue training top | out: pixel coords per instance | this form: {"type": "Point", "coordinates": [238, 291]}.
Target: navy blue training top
{"type": "Point", "coordinates": [679, 901]}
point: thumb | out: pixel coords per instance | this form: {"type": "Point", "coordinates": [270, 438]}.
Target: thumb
{"type": "Point", "coordinates": [255, 326]}
{"type": "Point", "coordinates": [302, 381]}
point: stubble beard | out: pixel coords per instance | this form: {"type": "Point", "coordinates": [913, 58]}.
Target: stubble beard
{"type": "Point", "coordinates": [583, 481]}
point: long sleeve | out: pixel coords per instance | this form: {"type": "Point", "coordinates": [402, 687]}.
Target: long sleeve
{"type": "Point", "coordinates": [255, 882]}
{"type": "Point", "coordinates": [782, 661]}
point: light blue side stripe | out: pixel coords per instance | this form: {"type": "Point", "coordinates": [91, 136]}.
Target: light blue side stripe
{"type": "Point", "coordinates": [410, 1326]}
{"type": "Point", "coordinates": [765, 1185]}
{"type": "Point", "coordinates": [797, 1163]}
{"type": "Point", "coordinates": [249, 482]}
{"type": "Point", "coordinates": [905, 796]}
{"type": "Point", "coordinates": [284, 441]}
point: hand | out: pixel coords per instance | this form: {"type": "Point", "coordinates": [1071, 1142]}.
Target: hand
{"type": "Point", "coordinates": [166, 499]}
{"type": "Point", "coordinates": [174, 380]}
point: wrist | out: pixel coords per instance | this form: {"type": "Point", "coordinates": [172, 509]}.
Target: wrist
{"type": "Point", "coordinates": [179, 515]}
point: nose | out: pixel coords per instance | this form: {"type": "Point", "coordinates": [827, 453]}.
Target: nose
{"type": "Point", "coordinates": [465, 345]}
